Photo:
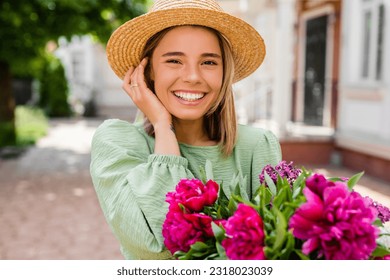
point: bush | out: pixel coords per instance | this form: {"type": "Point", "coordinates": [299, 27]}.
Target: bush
{"type": "Point", "coordinates": [54, 89]}
{"type": "Point", "coordinates": [7, 134]}
{"type": "Point", "coordinates": [31, 125]}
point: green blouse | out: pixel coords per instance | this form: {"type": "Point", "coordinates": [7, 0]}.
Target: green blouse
{"type": "Point", "coordinates": [131, 181]}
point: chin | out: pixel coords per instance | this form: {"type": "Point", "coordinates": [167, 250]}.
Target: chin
{"type": "Point", "coordinates": [188, 117]}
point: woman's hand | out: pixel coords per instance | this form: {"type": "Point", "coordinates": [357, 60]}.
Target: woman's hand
{"type": "Point", "coordinates": [135, 86]}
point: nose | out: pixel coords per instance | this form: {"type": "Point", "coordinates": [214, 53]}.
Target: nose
{"type": "Point", "coordinates": [191, 73]}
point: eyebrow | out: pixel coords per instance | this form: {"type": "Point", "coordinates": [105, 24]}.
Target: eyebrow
{"type": "Point", "coordinates": [215, 55]}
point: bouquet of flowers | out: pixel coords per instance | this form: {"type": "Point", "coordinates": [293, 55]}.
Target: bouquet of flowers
{"type": "Point", "coordinates": [294, 214]}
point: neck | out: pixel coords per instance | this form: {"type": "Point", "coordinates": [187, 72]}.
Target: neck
{"type": "Point", "coordinates": [192, 133]}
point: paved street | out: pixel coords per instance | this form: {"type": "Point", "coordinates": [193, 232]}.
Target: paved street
{"type": "Point", "coordinates": [48, 207]}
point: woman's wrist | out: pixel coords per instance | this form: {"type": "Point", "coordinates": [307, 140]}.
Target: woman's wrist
{"type": "Point", "coordinates": [164, 127]}
{"type": "Point", "coordinates": [165, 139]}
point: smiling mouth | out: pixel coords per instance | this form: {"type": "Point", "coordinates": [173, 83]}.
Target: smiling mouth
{"type": "Point", "coordinates": [188, 96]}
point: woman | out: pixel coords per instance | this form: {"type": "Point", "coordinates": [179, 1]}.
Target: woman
{"type": "Point", "coordinates": [178, 63]}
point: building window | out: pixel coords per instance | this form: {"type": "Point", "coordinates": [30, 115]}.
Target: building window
{"type": "Point", "coordinates": [366, 43]}
{"type": "Point", "coordinates": [380, 47]}
{"type": "Point", "coordinates": [373, 25]}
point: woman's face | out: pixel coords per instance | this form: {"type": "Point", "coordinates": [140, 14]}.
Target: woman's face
{"type": "Point", "coordinates": [187, 70]}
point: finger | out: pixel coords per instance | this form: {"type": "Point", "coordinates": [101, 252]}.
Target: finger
{"type": "Point", "coordinates": [139, 76]}
{"type": "Point", "coordinates": [127, 79]}
{"type": "Point", "coordinates": [144, 61]}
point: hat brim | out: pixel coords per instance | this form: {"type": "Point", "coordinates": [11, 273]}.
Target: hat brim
{"type": "Point", "coordinates": [126, 44]}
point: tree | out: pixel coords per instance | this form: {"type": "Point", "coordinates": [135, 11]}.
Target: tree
{"type": "Point", "coordinates": [27, 25]}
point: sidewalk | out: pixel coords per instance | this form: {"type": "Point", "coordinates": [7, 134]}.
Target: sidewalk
{"type": "Point", "coordinates": [49, 209]}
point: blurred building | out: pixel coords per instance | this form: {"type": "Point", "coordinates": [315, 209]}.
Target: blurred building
{"type": "Point", "coordinates": [94, 88]}
{"type": "Point", "coordinates": [363, 112]}
{"type": "Point", "coordinates": [322, 89]}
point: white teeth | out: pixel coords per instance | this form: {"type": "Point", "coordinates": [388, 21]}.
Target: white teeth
{"type": "Point", "coordinates": [189, 96]}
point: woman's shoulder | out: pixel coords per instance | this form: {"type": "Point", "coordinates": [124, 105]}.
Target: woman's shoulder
{"type": "Point", "coordinates": [114, 125]}
{"type": "Point", "coordinates": [250, 135]}
{"type": "Point", "coordinates": [259, 141]}
{"type": "Point", "coordinates": [121, 127]}
{"type": "Point", "coordinates": [115, 130]}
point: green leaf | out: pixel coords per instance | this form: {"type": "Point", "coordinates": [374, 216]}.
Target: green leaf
{"type": "Point", "coordinates": [237, 190]}
{"type": "Point", "coordinates": [300, 181]}
{"type": "Point", "coordinates": [296, 192]}
{"type": "Point", "coordinates": [269, 253]}
{"type": "Point", "coordinates": [223, 212]}
{"type": "Point", "coordinates": [199, 255]}
{"type": "Point", "coordinates": [212, 256]}
{"type": "Point", "coordinates": [209, 170]}
{"type": "Point", "coordinates": [222, 197]}
{"type": "Point", "coordinates": [335, 179]}
{"type": "Point", "coordinates": [380, 251]}
{"type": "Point", "coordinates": [378, 223]}
{"type": "Point", "coordinates": [281, 197]}
{"type": "Point", "coordinates": [221, 251]}
{"type": "Point", "coordinates": [301, 255]}
{"type": "Point", "coordinates": [232, 206]}
{"type": "Point", "coordinates": [288, 247]}
{"type": "Point", "coordinates": [202, 175]}
{"type": "Point", "coordinates": [256, 200]}
{"type": "Point", "coordinates": [354, 179]}
{"type": "Point", "coordinates": [280, 228]}
{"type": "Point", "coordinates": [199, 246]}
{"type": "Point", "coordinates": [218, 231]}
{"type": "Point", "coordinates": [265, 198]}
{"type": "Point", "coordinates": [270, 183]}
{"type": "Point", "coordinates": [237, 186]}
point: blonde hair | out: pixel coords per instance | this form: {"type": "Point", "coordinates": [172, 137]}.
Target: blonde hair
{"type": "Point", "coordinates": [220, 121]}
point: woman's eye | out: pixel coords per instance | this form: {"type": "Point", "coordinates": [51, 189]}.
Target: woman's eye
{"type": "Point", "coordinates": [173, 61]}
{"type": "Point", "coordinates": [210, 62]}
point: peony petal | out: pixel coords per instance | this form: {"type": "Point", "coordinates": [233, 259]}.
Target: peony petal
{"type": "Point", "coordinates": [332, 194]}
{"type": "Point", "coordinates": [301, 226]}
{"type": "Point", "coordinates": [317, 183]}
{"type": "Point", "coordinates": [313, 208]}
{"type": "Point", "coordinates": [310, 245]}
{"type": "Point", "coordinates": [245, 235]}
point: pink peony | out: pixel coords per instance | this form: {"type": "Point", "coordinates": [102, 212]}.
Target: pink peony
{"type": "Point", "coordinates": [317, 183]}
{"type": "Point", "coordinates": [193, 194]}
{"type": "Point", "coordinates": [334, 221]}
{"type": "Point", "coordinates": [245, 235]}
{"type": "Point", "coordinates": [181, 230]}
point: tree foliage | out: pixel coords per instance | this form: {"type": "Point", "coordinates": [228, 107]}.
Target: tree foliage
{"type": "Point", "coordinates": [27, 25]}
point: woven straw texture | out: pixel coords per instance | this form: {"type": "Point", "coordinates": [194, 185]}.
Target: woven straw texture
{"type": "Point", "coordinates": [125, 47]}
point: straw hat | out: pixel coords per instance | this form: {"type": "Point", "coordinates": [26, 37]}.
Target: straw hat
{"type": "Point", "coordinates": [125, 47]}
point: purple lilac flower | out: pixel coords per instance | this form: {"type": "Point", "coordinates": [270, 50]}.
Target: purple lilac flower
{"type": "Point", "coordinates": [383, 211]}
{"type": "Point", "coordinates": [283, 169]}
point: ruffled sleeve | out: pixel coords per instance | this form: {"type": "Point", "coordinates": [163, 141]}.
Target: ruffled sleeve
{"type": "Point", "coordinates": [131, 184]}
